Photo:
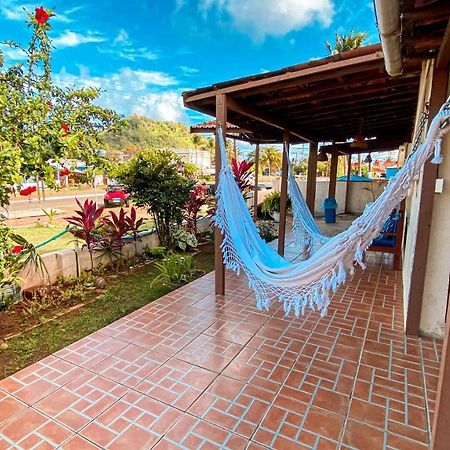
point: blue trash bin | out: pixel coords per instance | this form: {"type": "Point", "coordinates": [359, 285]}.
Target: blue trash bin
{"type": "Point", "coordinates": [329, 206]}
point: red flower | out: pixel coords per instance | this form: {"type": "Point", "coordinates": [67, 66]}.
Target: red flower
{"type": "Point", "coordinates": [27, 191]}
{"type": "Point", "coordinates": [16, 249]}
{"type": "Point", "coordinates": [41, 15]}
{"type": "Point", "coordinates": [65, 128]}
{"type": "Point", "coordinates": [64, 172]}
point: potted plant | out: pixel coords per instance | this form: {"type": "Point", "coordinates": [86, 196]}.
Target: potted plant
{"type": "Point", "coordinates": [271, 205]}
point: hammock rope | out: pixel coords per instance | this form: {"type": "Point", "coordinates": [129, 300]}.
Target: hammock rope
{"type": "Point", "coordinates": [309, 283]}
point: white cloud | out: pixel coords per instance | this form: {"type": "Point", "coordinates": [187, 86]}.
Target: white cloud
{"type": "Point", "coordinates": [122, 37]}
{"type": "Point", "coordinates": [132, 92]}
{"type": "Point", "coordinates": [12, 54]}
{"type": "Point", "coordinates": [14, 10]}
{"type": "Point", "coordinates": [262, 18]}
{"type": "Point", "coordinates": [188, 70]}
{"type": "Point", "coordinates": [72, 39]}
{"type": "Point", "coordinates": [123, 48]}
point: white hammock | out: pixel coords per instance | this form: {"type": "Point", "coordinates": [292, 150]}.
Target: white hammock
{"type": "Point", "coordinates": [310, 282]}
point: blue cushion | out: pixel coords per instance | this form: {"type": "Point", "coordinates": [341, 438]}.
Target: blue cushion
{"type": "Point", "coordinates": [386, 241]}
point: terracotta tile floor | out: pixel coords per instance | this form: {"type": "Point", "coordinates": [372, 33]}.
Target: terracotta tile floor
{"type": "Point", "coordinates": [198, 372]}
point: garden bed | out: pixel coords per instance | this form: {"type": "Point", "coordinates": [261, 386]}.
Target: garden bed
{"type": "Point", "coordinates": [41, 331]}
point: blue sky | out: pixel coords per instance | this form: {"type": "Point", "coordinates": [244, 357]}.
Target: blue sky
{"type": "Point", "coordinates": [144, 53]}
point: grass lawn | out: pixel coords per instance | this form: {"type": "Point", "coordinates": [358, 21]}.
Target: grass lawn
{"type": "Point", "coordinates": [124, 294]}
{"type": "Point", "coordinates": [38, 234]}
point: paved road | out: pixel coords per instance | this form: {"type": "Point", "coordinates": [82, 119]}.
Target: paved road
{"type": "Point", "coordinates": [56, 202]}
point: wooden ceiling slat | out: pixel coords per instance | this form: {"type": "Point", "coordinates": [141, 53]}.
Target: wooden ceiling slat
{"type": "Point", "coordinates": [331, 93]}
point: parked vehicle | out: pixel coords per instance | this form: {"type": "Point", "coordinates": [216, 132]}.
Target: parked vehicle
{"type": "Point", "coordinates": [116, 195]}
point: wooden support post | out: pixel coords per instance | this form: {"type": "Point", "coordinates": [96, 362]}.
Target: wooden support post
{"type": "Point", "coordinates": [283, 199]}
{"type": "Point", "coordinates": [255, 192]}
{"type": "Point", "coordinates": [441, 419]}
{"type": "Point", "coordinates": [333, 174]}
{"type": "Point", "coordinates": [430, 171]}
{"type": "Point", "coordinates": [311, 177]}
{"type": "Point", "coordinates": [347, 185]}
{"type": "Point", "coordinates": [221, 119]}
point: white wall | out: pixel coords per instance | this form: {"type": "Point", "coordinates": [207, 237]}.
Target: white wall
{"type": "Point", "coordinates": [362, 192]}
{"type": "Point", "coordinates": [437, 272]}
{"type": "Point", "coordinates": [63, 263]}
{"type": "Point", "coordinates": [322, 194]}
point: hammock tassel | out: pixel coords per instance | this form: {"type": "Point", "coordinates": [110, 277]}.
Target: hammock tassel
{"type": "Point", "coordinates": [359, 256]}
{"type": "Point", "coordinates": [341, 274]}
{"type": "Point", "coordinates": [437, 152]}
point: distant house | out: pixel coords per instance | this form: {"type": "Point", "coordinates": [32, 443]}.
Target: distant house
{"type": "Point", "coordinates": [201, 158]}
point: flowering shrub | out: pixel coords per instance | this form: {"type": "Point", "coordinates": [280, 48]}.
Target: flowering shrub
{"type": "Point", "coordinates": [241, 172]}
{"type": "Point", "coordinates": [39, 121]}
{"type": "Point", "coordinates": [197, 198]}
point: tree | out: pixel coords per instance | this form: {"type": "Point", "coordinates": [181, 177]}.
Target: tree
{"type": "Point", "coordinates": [301, 168]}
{"type": "Point", "coordinates": [154, 182]}
{"type": "Point", "coordinates": [345, 42]}
{"type": "Point", "coordinates": [41, 122]}
{"type": "Point", "coordinates": [271, 158]}
{"type": "Point", "coordinates": [190, 169]}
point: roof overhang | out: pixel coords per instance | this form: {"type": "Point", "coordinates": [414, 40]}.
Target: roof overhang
{"type": "Point", "coordinates": [328, 99]}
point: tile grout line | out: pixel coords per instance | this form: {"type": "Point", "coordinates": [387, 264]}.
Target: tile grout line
{"type": "Point", "coordinates": [346, 416]}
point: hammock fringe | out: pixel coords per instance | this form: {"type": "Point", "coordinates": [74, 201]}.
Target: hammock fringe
{"type": "Point", "coordinates": [310, 283]}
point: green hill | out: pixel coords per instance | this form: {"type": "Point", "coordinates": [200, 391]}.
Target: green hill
{"type": "Point", "coordinates": [145, 132]}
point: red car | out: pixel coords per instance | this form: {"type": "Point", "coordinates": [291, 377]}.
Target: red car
{"type": "Point", "coordinates": [116, 195]}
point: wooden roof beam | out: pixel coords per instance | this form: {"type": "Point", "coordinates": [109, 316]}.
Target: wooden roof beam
{"type": "Point", "coordinates": [327, 93]}
{"type": "Point", "coordinates": [350, 99]}
{"type": "Point", "coordinates": [443, 58]}
{"type": "Point", "coordinates": [241, 108]}
{"type": "Point", "coordinates": [328, 68]}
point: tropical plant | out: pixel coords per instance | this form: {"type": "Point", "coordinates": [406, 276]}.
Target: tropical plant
{"type": "Point", "coordinates": [134, 224]}
{"type": "Point", "coordinates": [115, 228]}
{"type": "Point", "coordinates": [154, 252]}
{"type": "Point", "coordinates": [86, 225]}
{"type": "Point", "coordinates": [197, 198]}
{"type": "Point", "coordinates": [154, 182]}
{"type": "Point", "coordinates": [16, 253]}
{"type": "Point", "coordinates": [241, 172]}
{"type": "Point", "coordinates": [51, 214]}
{"type": "Point", "coordinates": [345, 42]}
{"type": "Point", "coordinates": [271, 203]}
{"type": "Point", "coordinates": [175, 269]}
{"type": "Point", "coordinates": [183, 239]}
{"type": "Point", "coordinates": [271, 158]}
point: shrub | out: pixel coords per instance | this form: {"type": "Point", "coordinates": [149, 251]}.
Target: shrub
{"type": "Point", "coordinates": [272, 203]}
{"type": "Point", "coordinates": [153, 180]}
{"type": "Point", "coordinates": [197, 198]}
{"type": "Point", "coordinates": [86, 225]}
{"type": "Point", "coordinates": [183, 239]}
{"type": "Point", "coordinates": [175, 269]}
{"type": "Point", "coordinates": [241, 172]}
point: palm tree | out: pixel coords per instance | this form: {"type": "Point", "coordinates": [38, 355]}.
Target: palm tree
{"type": "Point", "coordinates": [347, 42]}
{"type": "Point", "coordinates": [271, 158]}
